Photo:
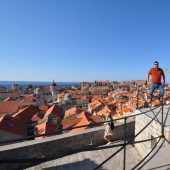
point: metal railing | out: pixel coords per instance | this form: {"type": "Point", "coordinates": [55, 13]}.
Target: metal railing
{"type": "Point", "coordinates": [131, 140]}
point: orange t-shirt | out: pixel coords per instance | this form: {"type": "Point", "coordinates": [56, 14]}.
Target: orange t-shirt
{"type": "Point", "coordinates": [156, 74]}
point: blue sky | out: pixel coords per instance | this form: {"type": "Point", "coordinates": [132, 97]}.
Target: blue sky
{"type": "Point", "coordinates": [83, 40]}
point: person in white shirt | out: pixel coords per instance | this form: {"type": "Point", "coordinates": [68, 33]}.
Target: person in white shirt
{"type": "Point", "coordinates": [109, 126]}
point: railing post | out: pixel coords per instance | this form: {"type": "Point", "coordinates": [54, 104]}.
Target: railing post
{"type": "Point", "coordinates": [124, 158]}
{"type": "Point", "coordinates": [162, 118]}
{"type": "Point", "coordinates": [137, 98]}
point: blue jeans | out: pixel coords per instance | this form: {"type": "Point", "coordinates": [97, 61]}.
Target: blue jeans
{"type": "Point", "coordinates": [156, 86]}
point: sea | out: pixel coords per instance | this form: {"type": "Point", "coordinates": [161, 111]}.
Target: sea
{"type": "Point", "coordinates": [24, 84]}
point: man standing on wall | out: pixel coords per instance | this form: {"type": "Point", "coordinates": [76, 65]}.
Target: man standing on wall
{"type": "Point", "coordinates": [157, 74]}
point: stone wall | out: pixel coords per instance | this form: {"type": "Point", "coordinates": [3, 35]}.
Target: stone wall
{"type": "Point", "coordinates": [58, 146]}
{"type": "Point", "coordinates": [152, 131]}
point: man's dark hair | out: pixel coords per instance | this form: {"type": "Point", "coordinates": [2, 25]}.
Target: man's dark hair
{"type": "Point", "coordinates": [112, 125]}
{"type": "Point", "coordinates": [156, 63]}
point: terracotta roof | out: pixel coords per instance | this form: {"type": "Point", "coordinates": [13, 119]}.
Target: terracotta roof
{"type": "Point", "coordinates": [106, 100]}
{"type": "Point", "coordinates": [94, 105]}
{"type": "Point", "coordinates": [113, 102]}
{"type": "Point", "coordinates": [43, 107]}
{"type": "Point", "coordinates": [120, 113]}
{"type": "Point", "coordinates": [76, 96]}
{"type": "Point", "coordinates": [141, 81]}
{"type": "Point", "coordinates": [84, 98]}
{"type": "Point", "coordinates": [1, 118]}
{"type": "Point", "coordinates": [83, 121]}
{"type": "Point", "coordinates": [40, 129]}
{"type": "Point", "coordinates": [96, 97]}
{"type": "Point", "coordinates": [9, 106]}
{"type": "Point", "coordinates": [37, 117]}
{"type": "Point", "coordinates": [155, 103]}
{"type": "Point", "coordinates": [70, 122]}
{"type": "Point", "coordinates": [104, 111]}
{"type": "Point", "coordinates": [27, 100]}
{"type": "Point", "coordinates": [96, 118]}
{"type": "Point", "coordinates": [115, 116]}
{"type": "Point", "coordinates": [70, 91]}
{"type": "Point", "coordinates": [141, 103]}
{"type": "Point", "coordinates": [125, 91]}
{"type": "Point", "coordinates": [127, 109]}
{"type": "Point", "coordinates": [26, 114]}
{"type": "Point", "coordinates": [86, 120]}
{"type": "Point", "coordinates": [54, 110]}
{"type": "Point", "coordinates": [102, 81]}
{"type": "Point", "coordinates": [71, 111]}
{"type": "Point", "coordinates": [82, 114]}
{"type": "Point", "coordinates": [13, 125]}
{"type": "Point", "coordinates": [46, 127]}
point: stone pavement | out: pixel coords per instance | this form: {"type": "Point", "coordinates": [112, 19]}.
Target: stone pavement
{"type": "Point", "coordinates": [88, 160]}
{"type": "Point", "coordinates": [159, 158]}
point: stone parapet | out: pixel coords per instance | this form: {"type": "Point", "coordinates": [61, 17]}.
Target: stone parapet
{"type": "Point", "coordinates": [60, 145]}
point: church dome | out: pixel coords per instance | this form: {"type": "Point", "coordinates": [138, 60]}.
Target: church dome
{"type": "Point", "coordinates": [67, 97]}
{"type": "Point", "coordinates": [54, 84]}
